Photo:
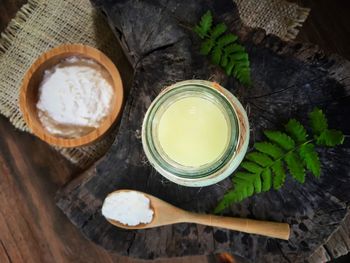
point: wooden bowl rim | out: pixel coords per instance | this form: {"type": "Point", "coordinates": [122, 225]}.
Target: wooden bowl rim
{"type": "Point", "coordinates": [90, 53]}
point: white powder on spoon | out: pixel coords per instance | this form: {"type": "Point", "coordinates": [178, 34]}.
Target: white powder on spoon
{"type": "Point", "coordinates": [74, 97]}
{"type": "Point", "coordinates": [129, 208]}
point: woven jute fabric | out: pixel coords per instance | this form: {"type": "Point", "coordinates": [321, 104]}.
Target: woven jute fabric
{"type": "Point", "coordinates": [277, 17]}
{"type": "Point", "coordinates": [39, 26]}
{"type": "Point", "coordinates": [43, 24]}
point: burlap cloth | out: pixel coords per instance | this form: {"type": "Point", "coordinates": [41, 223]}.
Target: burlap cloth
{"type": "Point", "coordinates": [43, 24]}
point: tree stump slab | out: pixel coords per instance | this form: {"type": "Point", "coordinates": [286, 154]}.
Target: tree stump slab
{"type": "Point", "coordinates": [289, 80]}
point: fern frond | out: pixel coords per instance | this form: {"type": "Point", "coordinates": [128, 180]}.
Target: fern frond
{"type": "Point", "coordinates": [246, 184]}
{"type": "Point", "coordinates": [296, 130]}
{"type": "Point", "coordinates": [262, 159]}
{"type": "Point", "coordinates": [229, 67]}
{"type": "Point", "coordinates": [226, 39]}
{"type": "Point", "coordinates": [266, 179]}
{"type": "Point", "coordinates": [223, 49]}
{"type": "Point", "coordinates": [330, 138]}
{"type": "Point", "coordinates": [207, 46]}
{"type": "Point", "coordinates": [281, 139]}
{"type": "Point", "coordinates": [216, 55]}
{"type": "Point", "coordinates": [205, 25]}
{"type": "Point", "coordinates": [218, 30]}
{"type": "Point", "coordinates": [266, 166]}
{"type": "Point", "coordinates": [279, 174]}
{"type": "Point", "coordinates": [224, 61]}
{"type": "Point", "coordinates": [309, 155]}
{"type": "Point", "coordinates": [241, 69]}
{"type": "Point", "coordinates": [271, 149]}
{"type": "Point", "coordinates": [244, 77]}
{"type": "Point", "coordinates": [234, 48]}
{"type": "Point", "coordinates": [229, 198]}
{"type": "Point", "coordinates": [241, 58]}
{"type": "Point", "coordinates": [318, 121]}
{"type": "Point", "coordinates": [295, 166]}
{"type": "Point", "coordinates": [251, 167]}
{"type": "Point", "coordinates": [257, 184]}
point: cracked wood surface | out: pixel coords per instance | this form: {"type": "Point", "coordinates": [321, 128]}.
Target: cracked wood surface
{"type": "Point", "coordinates": [289, 80]}
{"type": "Point", "coordinates": [32, 228]}
{"type": "Point", "coordinates": [30, 168]}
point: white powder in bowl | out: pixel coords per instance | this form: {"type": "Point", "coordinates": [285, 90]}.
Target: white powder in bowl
{"type": "Point", "coordinates": [129, 208]}
{"type": "Point", "coordinates": [74, 97]}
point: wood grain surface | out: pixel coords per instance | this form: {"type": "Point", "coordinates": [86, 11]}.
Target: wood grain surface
{"type": "Point", "coordinates": [33, 229]}
{"type": "Point", "coordinates": [290, 79]}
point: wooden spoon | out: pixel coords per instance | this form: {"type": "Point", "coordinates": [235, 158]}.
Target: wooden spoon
{"type": "Point", "coordinates": [166, 214]}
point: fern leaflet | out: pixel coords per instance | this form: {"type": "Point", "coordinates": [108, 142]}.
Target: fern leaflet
{"type": "Point", "coordinates": [308, 153]}
{"type": "Point", "coordinates": [330, 138]}
{"type": "Point", "coordinates": [318, 121]}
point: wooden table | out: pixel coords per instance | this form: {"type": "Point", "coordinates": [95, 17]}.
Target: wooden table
{"type": "Point", "coordinates": [32, 228]}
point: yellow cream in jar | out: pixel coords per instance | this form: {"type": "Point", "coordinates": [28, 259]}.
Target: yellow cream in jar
{"type": "Point", "coordinates": [193, 131]}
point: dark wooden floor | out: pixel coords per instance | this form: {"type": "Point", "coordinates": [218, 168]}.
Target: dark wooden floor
{"type": "Point", "coordinates": [32, 228]}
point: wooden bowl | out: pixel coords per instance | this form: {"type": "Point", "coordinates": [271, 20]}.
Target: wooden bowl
{"type": "Point", "coordinates": [30, 86]}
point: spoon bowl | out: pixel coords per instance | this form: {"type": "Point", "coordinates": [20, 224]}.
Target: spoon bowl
{"type": "Point", "coordinates": [167, 214]}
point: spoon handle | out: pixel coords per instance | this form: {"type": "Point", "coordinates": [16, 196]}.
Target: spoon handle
{"type": "Point", "coordinates": [264, 228]}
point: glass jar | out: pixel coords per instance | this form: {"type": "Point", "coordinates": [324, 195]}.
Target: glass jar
{"type": "Point", "coordinates": [233, 130]}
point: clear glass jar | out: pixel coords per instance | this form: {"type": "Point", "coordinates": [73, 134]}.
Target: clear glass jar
{"type": "Point", "coordinates": [237, 134]}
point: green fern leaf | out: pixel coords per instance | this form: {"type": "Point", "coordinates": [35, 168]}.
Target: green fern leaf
{"type": "Point", "coordinates": [216, 55]}
{"type": "Point", "coordinates": [260, 158]}
{"type": "Point", "coordinates": [199, 31]}
{"type": "Point", "coordinates": [229, 67]}
{"type": "Point", "coordinates": [242, 65]}
{"type": "Point", "coordinates": [330, 138]}
{"type": "Point", "coordinates": [218, 30]}
{"type": "Point", "coordinates": [309, 155]}
{"type": "Point", "coordinates": [266, 179]}
{"type": "Point", "coordinates": [243, 57]}
{"type": "Point", "coordinates": [271, 149]}
{"type": "Point", "coordinates": [251, 167]}
{"type": "Point", "coordinates": [234, 48]}
{"type": "Point", "coordinates": [244, 183]}
{"type": "Point", "coordinates": [240, 68]}
{"type": "Point", "coordinates": [295, 166]}
{"type": "Point", "coordinates": [204, 25]}
{"type": "Point", "coordinates": [265, 167]}
{"type": "Point", "coordinates": [231, 56]}
{"type": "Point", "coordinates": [279, 174]}
{"type": "Point", "coordinates": [257, 184]}
{"type": "Point", "coordinates": [248, 190]}
{"type": "Point", "coordinates": [318, 121]}
{"type": "Point", "coordinates": [281, 139]}
{"type": "Point", "coordinates": [250, 182]}
{"type": "Point", "coordinates": [244, 77]}
{"type": "Point", "coordinates": [296, 130]}
{"type": "Point", "coordinates": [229, 198]}
{"type": "Point", "coordinates": [224, 60]}
{"type": "Point", "coordinates": [207, 46]}
{"type": "Point", "coordinates": [226, 39]}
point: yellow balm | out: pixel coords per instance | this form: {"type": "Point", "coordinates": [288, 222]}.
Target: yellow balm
{"type": "Point", "coordinates": [193, 131]}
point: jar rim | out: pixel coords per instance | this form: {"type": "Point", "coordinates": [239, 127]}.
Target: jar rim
{"type": "Point", "coordinates": [165, 163]}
